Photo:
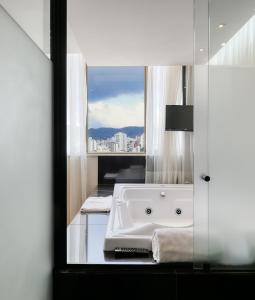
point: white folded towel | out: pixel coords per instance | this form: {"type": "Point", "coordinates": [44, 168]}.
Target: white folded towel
{"type": "Point", "coordinates": [96, 205]}
{"type": "Point", "coordinates": [173, 245]}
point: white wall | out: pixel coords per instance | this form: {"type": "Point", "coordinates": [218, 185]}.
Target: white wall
{"type": "Point", "coordinates": [34, 18]}
{"type": "Point", "coordinates": [25, 173]}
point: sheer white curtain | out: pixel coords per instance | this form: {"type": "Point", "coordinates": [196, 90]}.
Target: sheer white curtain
{"type": "Point", "coordinates": [240, 49]}
{"type": "Point", "coordinates": [76, 133]}
{"type": "Point", "coordinates": [169, 154]}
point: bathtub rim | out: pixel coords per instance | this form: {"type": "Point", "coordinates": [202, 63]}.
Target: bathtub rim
{"type": "Point", "coordinates": [118, 188]}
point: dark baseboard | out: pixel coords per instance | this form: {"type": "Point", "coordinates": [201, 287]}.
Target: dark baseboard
{"type": "Point", "coordinates": [174, 284]}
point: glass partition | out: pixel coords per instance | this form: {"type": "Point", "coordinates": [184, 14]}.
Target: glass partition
{"type": "Point", "coordinates": [224, 119]}
{"type": "Point", "coordinates": [231, 123]}
{"type": "Point", "coordinates": [129, 145]}
{"type": "Point", "coordinates": [200, 90]}
{"type": "Point", "coordinates": [26, 165]}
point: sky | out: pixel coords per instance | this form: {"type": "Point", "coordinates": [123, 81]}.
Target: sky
{"type": "Point", "coordinates": [115, 96]}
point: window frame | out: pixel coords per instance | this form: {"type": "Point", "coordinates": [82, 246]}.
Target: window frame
{"type": "Point", "coordinates": [143, 153]}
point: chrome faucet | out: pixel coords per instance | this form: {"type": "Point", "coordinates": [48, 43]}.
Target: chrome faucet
{"type": "Point", "coordinates": [162, 194]}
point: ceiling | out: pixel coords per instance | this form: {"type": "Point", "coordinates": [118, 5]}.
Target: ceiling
{"type": "Point", "coordinates": [149, 32]}
{"type": "Point", "coordinates": [135, 32]}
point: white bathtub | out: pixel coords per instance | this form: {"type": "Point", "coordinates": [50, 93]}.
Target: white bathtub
{"type": "Point", "coordinates": [139, 209]}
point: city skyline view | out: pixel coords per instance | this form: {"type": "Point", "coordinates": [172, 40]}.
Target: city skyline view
{"type": "Point", "coordinates": [116, 109]}
{"type": "Point", "coordinates": [120, 142]}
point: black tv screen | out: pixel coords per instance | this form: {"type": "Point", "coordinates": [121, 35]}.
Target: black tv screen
{"type": "Point", "coordinates": [179, 117]}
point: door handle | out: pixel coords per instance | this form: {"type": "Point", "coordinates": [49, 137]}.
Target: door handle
{"type": "Point", "coordinates": [206, 178]}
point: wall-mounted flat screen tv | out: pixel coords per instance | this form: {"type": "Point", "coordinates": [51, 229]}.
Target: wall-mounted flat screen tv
{"type": "Point", "coordinates": [179, 117]}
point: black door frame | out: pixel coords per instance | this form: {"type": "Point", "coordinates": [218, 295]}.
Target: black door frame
{"type": "Point", "coordinates": [69, 280]}
{"type": "Point", "coordinates": [58, 56]}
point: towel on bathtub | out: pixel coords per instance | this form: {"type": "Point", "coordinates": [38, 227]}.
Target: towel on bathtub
{"type": "Point", "coordinates": [173, 244]}
{"type": "Point", "coordinates": [97, 205]}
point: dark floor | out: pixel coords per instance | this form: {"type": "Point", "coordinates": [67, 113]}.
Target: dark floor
{"type": "Point", "coordinates": [85, 245]}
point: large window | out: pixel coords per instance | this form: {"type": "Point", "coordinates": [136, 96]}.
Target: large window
{"type": "Point", "coordinates": [116, 109]}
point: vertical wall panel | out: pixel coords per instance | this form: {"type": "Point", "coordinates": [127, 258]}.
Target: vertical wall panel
{"type": "Point", "coordinates": [232, 165]}
{"type": "Point", "coordinates": [200, 89]}
{"type": "Point", "coordinates": [231, 140]}
{"type": "Point", "coordinates": [224, 133]}
{"type": "Point", "coordinates": [25, 172]}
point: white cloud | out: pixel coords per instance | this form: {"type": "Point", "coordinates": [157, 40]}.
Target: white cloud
{"type": "Point", "coordinates": [121, 111]}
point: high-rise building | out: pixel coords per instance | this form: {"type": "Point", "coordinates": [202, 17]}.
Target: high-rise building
{"type": "Point", "coordinates": [142, 141]}
{"type": "Point", "coordinates": [121, 140]}
{"type": "Point", "coordinates": [113, 147]}
{"type": "Point", "coordinates": [92, 145]}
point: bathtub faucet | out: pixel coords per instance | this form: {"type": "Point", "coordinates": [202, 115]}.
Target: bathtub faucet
{"type": "Point", "coordinates": [162, 194]}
